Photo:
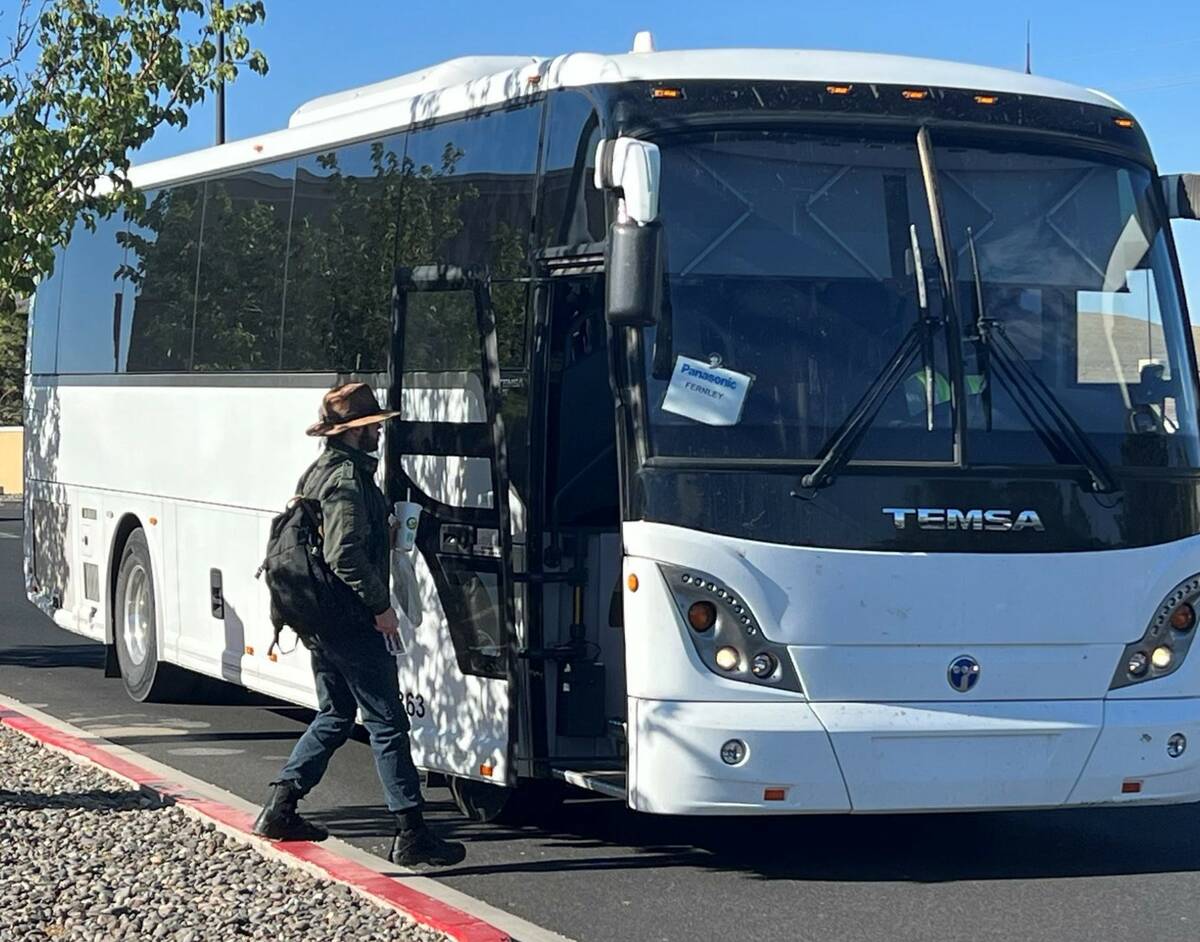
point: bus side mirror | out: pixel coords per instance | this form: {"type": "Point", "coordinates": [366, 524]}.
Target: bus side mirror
{"type": "Point", "coordinates": [631, 168]}
{"type": "Point", "coordinates": [634, 264]}
{"type": "Point", "coordinates": [1181, 191]}
{"type": "Point", "coordinates": [634, 274]}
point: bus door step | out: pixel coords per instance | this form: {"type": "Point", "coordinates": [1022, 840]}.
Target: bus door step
{"type": "Point", "coordinates": [610, 782]}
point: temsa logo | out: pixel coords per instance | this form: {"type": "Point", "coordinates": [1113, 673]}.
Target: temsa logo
{"type": "Point", "coordinates": [948, 518]}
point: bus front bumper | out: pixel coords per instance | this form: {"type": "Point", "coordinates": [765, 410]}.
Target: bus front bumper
{"type": "Point", "coordinates": [897, 757]}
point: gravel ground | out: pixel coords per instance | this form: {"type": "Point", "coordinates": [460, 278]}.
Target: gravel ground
{"type": "Point", "coordinates": [84, 857]}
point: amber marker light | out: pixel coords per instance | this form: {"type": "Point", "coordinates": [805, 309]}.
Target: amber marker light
{"type": "Point", "coordinates": [1123, 122]}
{"type": "Point", "coordinates": [914, 94]}
{"type": "Point", "coordinates": [839, 89]}
{"type": "Point", "coordinates": [486, 771]}
{"type": "Point", "coordinates": [1183, 618]}
{"type": "Point", "coordinates": [986, 99]}
{"type": "Point", "coordinates": [632, 582]}
{"type": "Point", "coordinates": [666, 93]}
{"type": "Point", "coordinates": [702, 616]}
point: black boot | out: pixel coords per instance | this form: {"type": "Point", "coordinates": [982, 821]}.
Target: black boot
{"type": "Point", "coordinates": [415, 844]}
{"type": "Point", "coordinates": [279, 820]}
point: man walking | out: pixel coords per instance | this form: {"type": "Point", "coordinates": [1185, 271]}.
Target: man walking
{"type": "Point", "coordinates": [352, 666]}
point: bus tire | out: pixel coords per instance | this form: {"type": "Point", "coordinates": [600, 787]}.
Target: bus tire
{"type": "Point", "coordinates": [479, 801]}
{"type": "Point", "coordinates": [135, 627]}
{"type": "Point", "coordinates": [487, 803]}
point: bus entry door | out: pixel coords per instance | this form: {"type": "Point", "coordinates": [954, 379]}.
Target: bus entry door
{"type": "Point", "coordinates": [446, 452]}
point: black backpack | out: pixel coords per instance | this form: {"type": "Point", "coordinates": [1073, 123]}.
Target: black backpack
{"type": "Point", "coordinates": [306, 596]}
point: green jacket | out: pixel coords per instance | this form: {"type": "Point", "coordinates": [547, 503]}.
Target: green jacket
{"type": "Point", "coordinates": [355, 521]}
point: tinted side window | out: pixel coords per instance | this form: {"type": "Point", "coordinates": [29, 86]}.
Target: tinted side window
{"type": "Point", "coordinates": [243, 251]}
{"type": "Point", "coordinates": [342, 258]}
{"type": "Point", "coordinates": [468, 201]}
{"type": "Point", "coordinates": [92, 298]}
{"type": "Point", "coordinates": [44, 339]}
{"type": "Point", "coordinates": [441, 333]}
{"type": "Point", "coordinates": [161, 266]}
{"type": "Point", "coordinates": [570, 208]}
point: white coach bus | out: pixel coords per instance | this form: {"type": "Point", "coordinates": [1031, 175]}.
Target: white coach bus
{"type": "Point", "coordinates": [795, 431]}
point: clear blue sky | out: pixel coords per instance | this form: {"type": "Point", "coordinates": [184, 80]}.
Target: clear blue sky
{"type": "Point", "coordinates": [1145, 54]}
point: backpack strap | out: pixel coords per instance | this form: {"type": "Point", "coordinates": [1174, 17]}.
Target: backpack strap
{"type": "Point", "coordinates": [277, 631]}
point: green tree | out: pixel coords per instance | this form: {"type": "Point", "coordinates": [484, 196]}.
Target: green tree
{"type": "Point", "coordinates": [83, 83]}
{"type": "Point", "coordinates": [342, 262]}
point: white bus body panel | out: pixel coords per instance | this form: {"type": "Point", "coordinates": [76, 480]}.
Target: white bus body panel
{"type": "Point", "coordinates": [885, 626]}
{"type": "Point", "coordinates": [872, 636]}
{"type": "Point", "coordinates": [212, 465]}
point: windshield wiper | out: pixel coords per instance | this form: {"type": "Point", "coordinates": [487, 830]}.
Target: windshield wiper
{"type": "Point", "coordinates": [1033, 397]}
{"type": "Point", "coordinates": [918, 340]}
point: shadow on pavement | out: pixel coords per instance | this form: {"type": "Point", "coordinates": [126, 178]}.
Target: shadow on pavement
{"type": "Point", "coordinates": [200, 689]}
{"type": "Point", "coordinates": [932, 848]}
{"type": "Point", "coordinates": [53, 655]}
{"type": "Point", "coordinates": [357, 821]}
{"type": "Point", "coordinates": [185, 738]}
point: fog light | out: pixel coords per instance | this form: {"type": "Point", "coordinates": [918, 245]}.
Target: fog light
{"type": "Point", "coordinates": [1138, 662]}
{"type": "Point", "coordinates": [763, 665]}
{"type": "Point", "coordinates": [1176, 744]}
{"type": "Point", "coordinates": [1183, 618]}
{"type": "Point", "coordinates": [702, 616]}
{"type": "Point", "coordinates": [1161, 658]}
{"type": "Point", "coordinates": [733, 752]}
{"type": "Point", "coordinates": [728, 658]}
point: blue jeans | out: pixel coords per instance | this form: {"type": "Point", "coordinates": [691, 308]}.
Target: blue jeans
{"type": "Point", "coordinates": [358, 672]}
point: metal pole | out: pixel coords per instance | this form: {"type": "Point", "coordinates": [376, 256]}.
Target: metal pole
{"type": "Point", "coordinates": [220, 5]}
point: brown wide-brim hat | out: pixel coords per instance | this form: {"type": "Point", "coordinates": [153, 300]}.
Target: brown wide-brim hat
{"type": "Point", "coordinates": [351, 406]}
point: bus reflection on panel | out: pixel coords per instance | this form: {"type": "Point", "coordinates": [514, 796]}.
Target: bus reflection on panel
{"type": "Point", "coordinates": [794, 432]}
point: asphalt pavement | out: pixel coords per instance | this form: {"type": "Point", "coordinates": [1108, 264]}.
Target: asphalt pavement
{"type": "Point", "coordinates": [591, 869]}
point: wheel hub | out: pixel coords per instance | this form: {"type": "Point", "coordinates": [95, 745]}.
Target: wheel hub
{"type": "Point", "coordinates": [136, 621]}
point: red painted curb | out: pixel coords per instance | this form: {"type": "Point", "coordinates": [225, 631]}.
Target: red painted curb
{"type": "Point", "coordinates": [418, 906]}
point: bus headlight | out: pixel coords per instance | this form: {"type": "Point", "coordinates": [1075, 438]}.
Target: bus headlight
{"type": "Point", "coordinates": [1166, 641]}
{"type": "Point", "coordinates": [726, 633]}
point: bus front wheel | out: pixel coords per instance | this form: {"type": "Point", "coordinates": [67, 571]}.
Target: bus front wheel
{"type": "Point", "coordinates": [479, 801]}
{"type": "Point", "coordinates": [487, 803]}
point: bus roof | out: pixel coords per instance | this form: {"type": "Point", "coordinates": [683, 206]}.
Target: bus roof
{"type": "Point", "coordinates": [461, 85]}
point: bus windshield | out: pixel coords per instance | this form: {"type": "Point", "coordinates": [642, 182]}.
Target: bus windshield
{"type": "Point", "coordinates": [795, 267]}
